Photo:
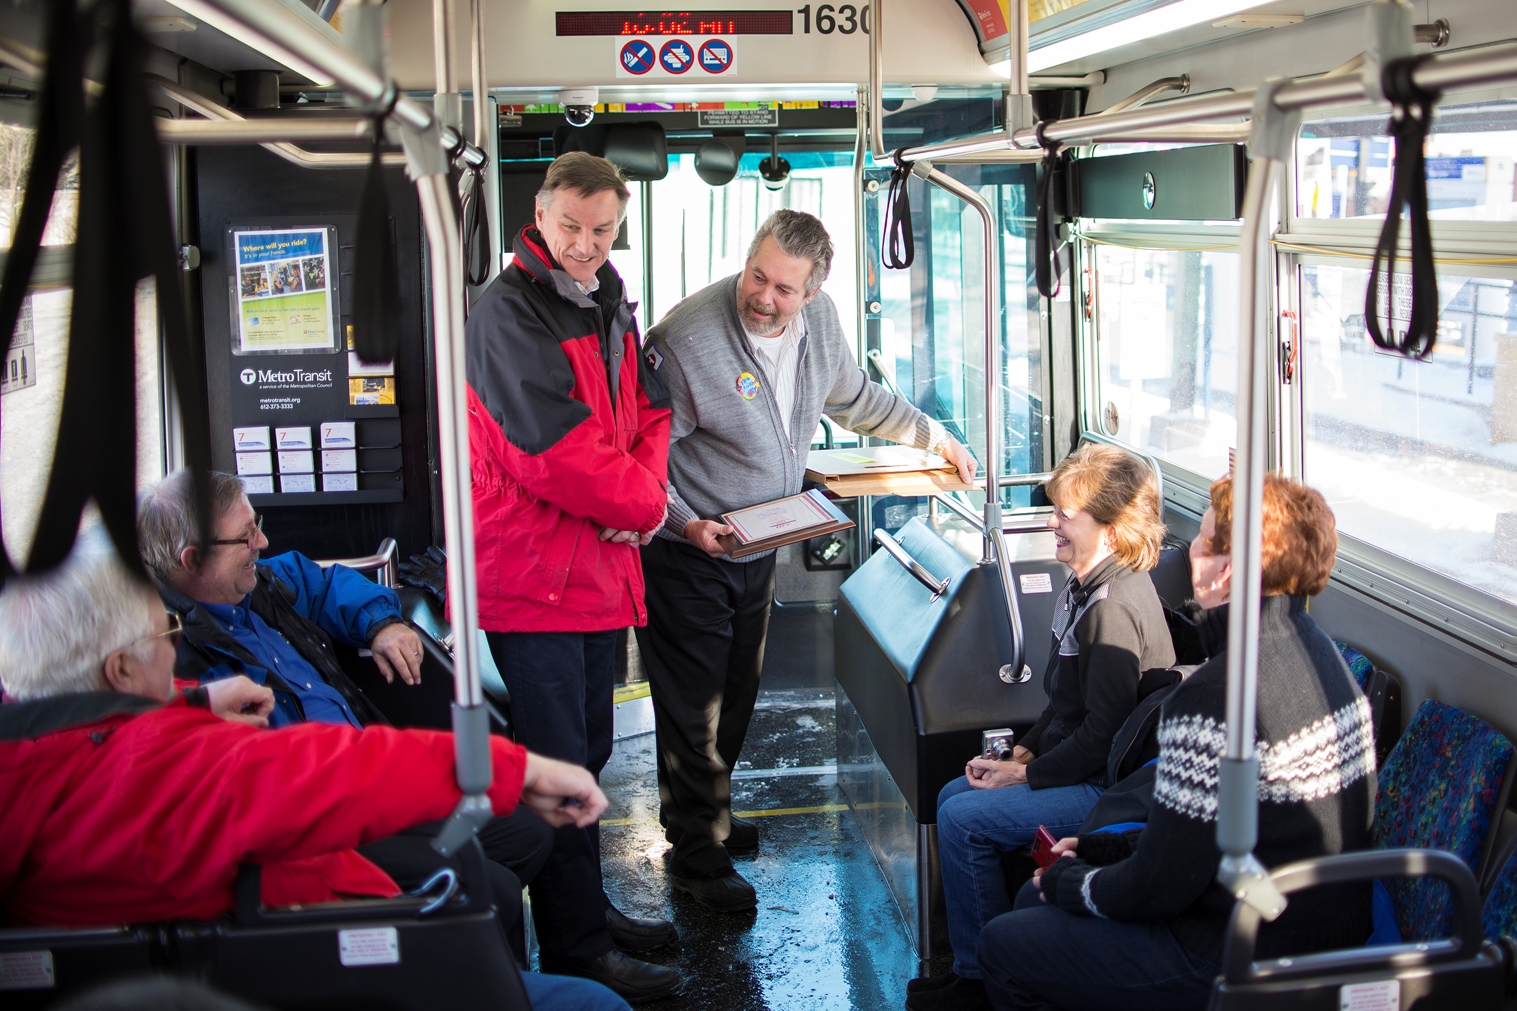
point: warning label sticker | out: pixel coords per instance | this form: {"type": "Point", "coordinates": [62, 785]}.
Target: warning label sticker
{"type": "Point", "coordinates": [377, 946]}
{"type": "Point", "coordinates": [1036, 582]}
{"type": "Point", "coordinates": [1384, 995]}
{"type": "Point", "coordinates": [26, 970]}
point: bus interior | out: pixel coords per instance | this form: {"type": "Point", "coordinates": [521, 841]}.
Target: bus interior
{"type": "Point", "coordinates": [1142, 224]}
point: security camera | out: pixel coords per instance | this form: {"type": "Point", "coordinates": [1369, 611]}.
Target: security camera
{"type": "Point", "coordinates": [774, 170]}
{"type": "Point", "coordinates": [579, 104]}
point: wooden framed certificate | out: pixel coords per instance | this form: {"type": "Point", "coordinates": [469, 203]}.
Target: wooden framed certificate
{"type": "Point", "coordinates": [783, 521]}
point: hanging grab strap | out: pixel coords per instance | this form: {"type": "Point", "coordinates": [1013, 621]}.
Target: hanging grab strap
{"type": "Point", "coordinates": [1411, 119]}
{"type": "Point", "coordinates": [1045, 237]}
{"type": "Point", "coordinates": [900, 243]}
{"type": "Point", "coordinates": [123, 235]}
{"type": "Point", "coordinates": [376, 275]}
{"type": "Point", "coordinates": [476, 225]}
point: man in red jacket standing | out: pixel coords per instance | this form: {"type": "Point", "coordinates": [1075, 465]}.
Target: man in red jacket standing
{"type": "Point", "coordinates": [569, 437]}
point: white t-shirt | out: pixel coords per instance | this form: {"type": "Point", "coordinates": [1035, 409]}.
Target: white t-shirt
{"type": "Point", "coordinates": [779, 357]}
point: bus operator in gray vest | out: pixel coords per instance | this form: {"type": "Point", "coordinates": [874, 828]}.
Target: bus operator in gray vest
{"type": "Point", "coordinates": [751, 363]}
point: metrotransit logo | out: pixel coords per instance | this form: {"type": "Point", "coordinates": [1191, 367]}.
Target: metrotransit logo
{"type": "Point", "coordinates": [273, 377]}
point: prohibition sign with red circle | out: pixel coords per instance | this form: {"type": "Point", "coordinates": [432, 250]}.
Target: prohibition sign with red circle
{"type": "Point", "coordinates": [676, 56]}
{"type": "Point", "coordinates": [715, 57]}
{"type": "Point", "coordinates": [637, 57]}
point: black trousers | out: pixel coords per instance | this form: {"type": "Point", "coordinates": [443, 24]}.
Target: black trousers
{"type": "Point", "coordinates": [560, 684]}
{"type": "Point", "coordinates": [704, 649]}
{"type": "Point", "coordinates": [516, 848]}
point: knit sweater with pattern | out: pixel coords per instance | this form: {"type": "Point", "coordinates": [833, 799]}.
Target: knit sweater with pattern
{"type": "Point", "coordinates": [1316, 797]}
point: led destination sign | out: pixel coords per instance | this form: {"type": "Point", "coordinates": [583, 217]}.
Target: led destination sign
{"type": "Point", "coordinates": [632, 23]}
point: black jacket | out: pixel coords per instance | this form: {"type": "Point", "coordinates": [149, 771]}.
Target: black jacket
{"type": "Point", "coordinates": [1316, 793]}
{"type": "Point", "coordinates": [206, 648]}
{"type": "Point", "coordinates": [1119, 631]}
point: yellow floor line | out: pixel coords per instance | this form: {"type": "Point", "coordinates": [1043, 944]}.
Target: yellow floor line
{"type": "Point", "coordinates": [630, 692]}
{"type": "Point", "coordinates": [773, 812]}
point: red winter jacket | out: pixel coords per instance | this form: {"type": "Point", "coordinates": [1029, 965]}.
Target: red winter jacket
{"type": "Point", "coordinates": [555, 455]}
{"type": "Point", "coordinates": [120, 810]}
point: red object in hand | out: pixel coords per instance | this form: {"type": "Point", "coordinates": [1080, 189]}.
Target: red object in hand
{"type": "Point", "coordinates": [1042, 848]}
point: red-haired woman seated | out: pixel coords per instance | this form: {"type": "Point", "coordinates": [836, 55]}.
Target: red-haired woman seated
{"type": "Point", "coordinates": [1136, 920]}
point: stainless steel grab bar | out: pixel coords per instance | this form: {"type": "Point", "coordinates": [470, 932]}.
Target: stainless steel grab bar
{"type": "Point", "coordinates": [382, 561]}
{"type": "Point", "coordinates": [911, 565]}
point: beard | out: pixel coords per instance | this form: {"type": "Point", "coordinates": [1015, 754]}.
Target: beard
{"type": "Point", "coordinates": [753, 318]}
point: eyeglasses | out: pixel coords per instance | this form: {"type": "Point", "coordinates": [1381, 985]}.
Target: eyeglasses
{"type": "Point", "coordinates": [176, 627]}
{"type": "Point", "coordinates": [248, 541]}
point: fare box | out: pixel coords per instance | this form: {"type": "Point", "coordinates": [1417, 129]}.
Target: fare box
{"type": "Point", "coordinates": [253, 438]}
{"type": "Point", "coordinates": [339, 435]}
{"type": "Point", "coordinates": [293, 438]}
{"type": "Point", "coordinates": [297, 461]}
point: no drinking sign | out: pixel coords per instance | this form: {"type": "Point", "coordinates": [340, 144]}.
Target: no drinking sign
{"type": "Point", "coordinates": [681, 56]}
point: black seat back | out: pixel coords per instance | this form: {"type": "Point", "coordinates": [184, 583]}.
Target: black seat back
{"type": "Point", "coordinates": [40, 964]}
{"type": "Point", "coordinates": [1463, 971]}
{"type": "Point", "coordinates": [412, 953]}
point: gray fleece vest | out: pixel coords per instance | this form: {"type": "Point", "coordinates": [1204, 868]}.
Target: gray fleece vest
{"type": "Point", "coordinates": [727, 443]}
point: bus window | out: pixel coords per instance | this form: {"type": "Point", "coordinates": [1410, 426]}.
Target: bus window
{"type": "Point", "coordinates": [1343, 165]}
{"type": "Point", "coordinates": [31, 386]}
{"type": "Point", "coordinates": [932, 323]}
{"type": "Point", "coordinates": [1417, 458]}
{"type": "Point", "coordinates": [1167, 366]}
{"type": "Point", "coordinates": [701, 232]}
{"type": "Point", "coordinates": [15, 161]}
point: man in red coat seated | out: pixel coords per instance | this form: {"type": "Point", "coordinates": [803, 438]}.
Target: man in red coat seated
{"type": "Point", "coordinates": [568, 441]}
{"type": "Point", "coordinates": [128, 801]}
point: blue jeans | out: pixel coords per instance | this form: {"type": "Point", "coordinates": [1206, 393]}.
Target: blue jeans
{"type": "Point", "coordinates": [569, 993]}
{"type": "Point", "coordinates": [1040, 958]}
{"type": "Point", "coordinates": [974, 828]}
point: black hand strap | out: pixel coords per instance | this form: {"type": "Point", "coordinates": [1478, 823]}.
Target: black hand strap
{"type": "Point", "coordinates": [376, 273]}
{"type": "Point", "coordinates": [476, 225]}
{"type": "Point", "coordinates": [1411, 119]}
{"type": "Point", "coordinates": [1045, 235]}
{"type": "Point", "coordinates": [900, 242]}
{"type": "Point", "coordinates": [123, 233]}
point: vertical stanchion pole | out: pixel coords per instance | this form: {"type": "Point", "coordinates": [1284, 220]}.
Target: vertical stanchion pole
{"type": "Point", "coordinates": [1270, 145]}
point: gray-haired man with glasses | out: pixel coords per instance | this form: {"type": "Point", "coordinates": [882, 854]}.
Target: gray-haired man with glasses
{"type": "Point", "coordinates": [274, 620]}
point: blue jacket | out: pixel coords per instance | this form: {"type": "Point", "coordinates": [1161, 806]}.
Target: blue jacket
{"type": "Point", "coordinates": [311, 607]}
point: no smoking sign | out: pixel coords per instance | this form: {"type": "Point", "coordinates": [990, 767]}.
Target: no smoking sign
{"type": "Point", "coordinates": [688, 57]}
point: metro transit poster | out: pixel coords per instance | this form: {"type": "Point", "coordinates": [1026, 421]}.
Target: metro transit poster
{"type": "Point", "coordinates": [283, 291]}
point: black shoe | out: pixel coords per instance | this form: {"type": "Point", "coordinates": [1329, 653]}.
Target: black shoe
{"type": "Point", "coordinates": [730, 893]}
{"type": "Point", "coordinates": [633, 981]}
{"type": "Point", "coordinates": [634, 933]}
{"type": "Point", "coordinates": [744, 836]}
{"type": "Point", "coordinates": [924, 983]}
{"type": "Point", "coordinates": [960, 995]}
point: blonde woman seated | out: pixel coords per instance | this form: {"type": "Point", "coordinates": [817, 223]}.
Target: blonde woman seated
{"type": "Point", "coordinates": [1108, 628]}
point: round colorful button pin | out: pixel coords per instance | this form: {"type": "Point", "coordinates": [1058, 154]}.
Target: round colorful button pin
{"type": "Point", "coordinates": [747, 386]}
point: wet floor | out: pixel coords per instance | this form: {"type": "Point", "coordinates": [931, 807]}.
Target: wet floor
{"type": "Point", "coordinates": [826, 934]}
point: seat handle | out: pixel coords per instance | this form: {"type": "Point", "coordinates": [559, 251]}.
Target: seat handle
{"type": "Point", "coordinates": [911, 565]}
{"type": "Point", "coordinates": [1243, 929]}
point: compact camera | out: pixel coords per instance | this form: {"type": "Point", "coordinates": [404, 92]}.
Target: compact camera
{"type": "Point", "coordinates": [997, 744]}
